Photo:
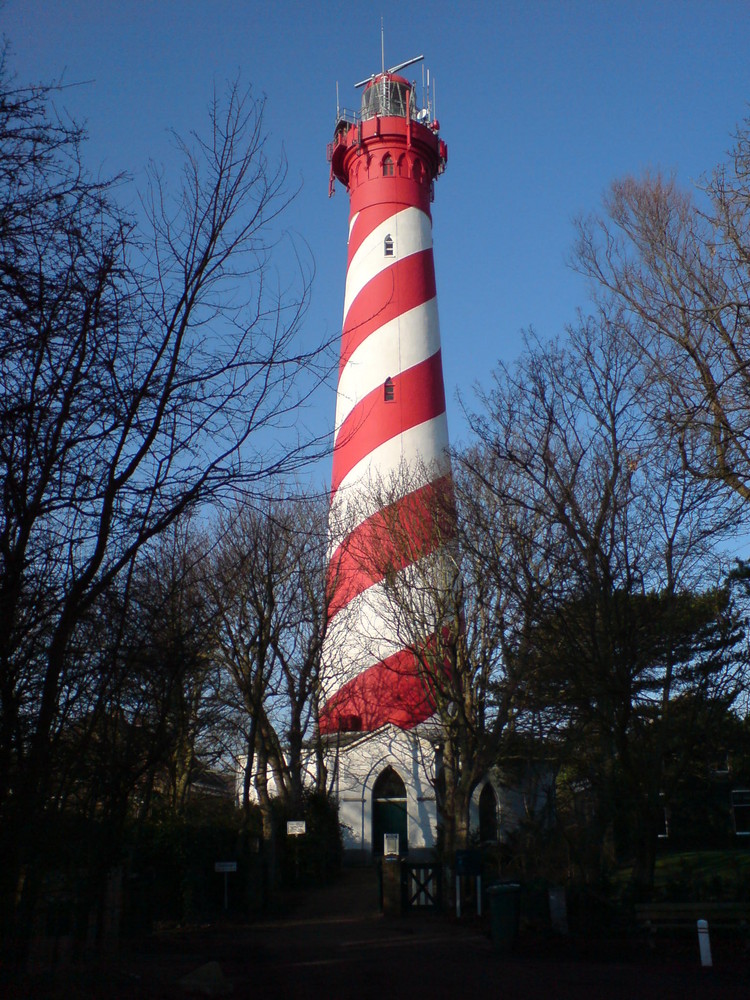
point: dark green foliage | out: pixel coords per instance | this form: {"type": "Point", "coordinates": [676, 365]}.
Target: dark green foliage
{"type": "Point", "coordinates": [315, 856]}
{"type": "Point", "coordinates": [170, 874]}
{"type": "Point", "coordinates": [638, 688]}
{"type": "Point", "coordinates": [592, 910]}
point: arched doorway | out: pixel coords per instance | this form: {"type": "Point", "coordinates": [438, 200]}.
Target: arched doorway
{"type": "Point", "coordinates": [389, 811]}
{"type": "Point", "coordinates": [488, 815]}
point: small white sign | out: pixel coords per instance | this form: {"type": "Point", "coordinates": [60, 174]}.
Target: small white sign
{"type": "Point", "coordinates": [390, 846]}
{"type": "Point", "coordinates": [225, 866]}
{"type": "Point", "coordinates": [295, 827]}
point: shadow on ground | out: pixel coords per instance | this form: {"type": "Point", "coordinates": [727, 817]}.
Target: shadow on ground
{"type": "Point", "coordinates": [334, 942]}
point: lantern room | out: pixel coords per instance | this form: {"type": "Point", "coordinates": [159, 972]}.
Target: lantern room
{"type": "Point", "coordinates": [389, 96]}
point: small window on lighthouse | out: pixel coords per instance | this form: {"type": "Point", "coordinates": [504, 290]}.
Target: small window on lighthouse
{"type": "Point", "coordinates": [387, 166]}
{"type": "Point", "coordinates": [388, 391]}
{"type": "Point", "coordinates": [388, 246]}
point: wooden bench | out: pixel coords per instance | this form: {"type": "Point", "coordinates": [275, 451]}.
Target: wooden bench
{"type": "Point", "coordinates": [685, 916]}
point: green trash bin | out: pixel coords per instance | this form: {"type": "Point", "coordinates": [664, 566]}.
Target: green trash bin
{"type": "Point", "coordinates": [505, 913]}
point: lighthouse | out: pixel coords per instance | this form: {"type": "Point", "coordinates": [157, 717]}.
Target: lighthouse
{"type": "Point", "coordinates": [390, 462]}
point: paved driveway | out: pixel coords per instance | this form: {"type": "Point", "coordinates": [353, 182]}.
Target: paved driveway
{"type": "Point", "coordinates": [334, 943]}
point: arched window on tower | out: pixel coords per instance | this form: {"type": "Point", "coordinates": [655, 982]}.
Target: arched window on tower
{"type": "Point", "coordinates": [388, 246]}
{"type": "Point", "coordinates": [417, 172]}
{"type": "Point", "coordinates": [387, 165]}
{"type": "Point", "coordinates": [389, 391]}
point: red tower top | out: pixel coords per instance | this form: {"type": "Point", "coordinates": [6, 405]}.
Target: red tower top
{"type": "Point", "coordinates": [389, 138]}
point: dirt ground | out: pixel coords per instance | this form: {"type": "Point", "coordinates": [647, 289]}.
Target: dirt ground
{"type": "Point", "coordinates": [334, 942]}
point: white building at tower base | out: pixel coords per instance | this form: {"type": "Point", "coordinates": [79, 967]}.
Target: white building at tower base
{"type": "Point", "coordinates": [385, 782]}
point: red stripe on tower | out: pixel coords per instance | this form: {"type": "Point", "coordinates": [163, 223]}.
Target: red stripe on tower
{"type": "Point", "coordinates": [390, 412]}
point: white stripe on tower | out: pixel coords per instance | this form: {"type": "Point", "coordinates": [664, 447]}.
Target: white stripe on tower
{"type": "Point", "coordinates": [391, 432]}
{"type": "Point", "coordinates": [372, 362]}
{"type": "Point", "coordinates": [355, 500]}
{"type": "Point", "coordinates": [409, 229]}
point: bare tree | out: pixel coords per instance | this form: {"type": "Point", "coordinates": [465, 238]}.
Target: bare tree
{"type": "Point", "coordinates": [140, 720]}
{"type": "Point", "coordinates": [676, 264]}
{"type": "Point", "coordinates": [616, 533]}
{"type": "Point", "coordinates": [170, 651]}
{"type": "Point", "coordinates": [269, 595]}
{"type": "Point", "coordinates": [146, 369]}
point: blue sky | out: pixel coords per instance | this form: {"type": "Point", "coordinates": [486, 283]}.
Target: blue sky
{"type": "Point", "coordinates": [541, 104]}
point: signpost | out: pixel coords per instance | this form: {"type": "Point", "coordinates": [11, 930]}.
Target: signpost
{"type": "Point", "coordinates": [225, 867]}
{"type": "Point", "coordinates": [295, 828]}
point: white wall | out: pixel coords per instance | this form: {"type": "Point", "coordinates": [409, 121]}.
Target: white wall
{"type": "Point", "coordinates": [358, 766]}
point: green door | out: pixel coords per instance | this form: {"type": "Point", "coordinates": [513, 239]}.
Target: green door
{"type": "Point", "coordinates": [389, 811]}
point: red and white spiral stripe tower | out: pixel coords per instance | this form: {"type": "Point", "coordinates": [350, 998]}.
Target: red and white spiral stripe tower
{"type": "Point", "coordinates": [391, 431]}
